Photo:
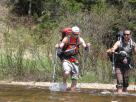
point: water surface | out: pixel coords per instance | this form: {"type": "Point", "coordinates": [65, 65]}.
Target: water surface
{"type": "Point", "coordinates": [9, 93]}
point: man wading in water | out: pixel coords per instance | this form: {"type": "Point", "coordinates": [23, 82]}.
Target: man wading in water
{"type": "Point", "coordinates": [123, 51]}
{"type": "Point", "coordinates": [68, 51]}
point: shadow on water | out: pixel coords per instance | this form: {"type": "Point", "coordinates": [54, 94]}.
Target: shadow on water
{"type": "Point", "coordinates": [9, 93]}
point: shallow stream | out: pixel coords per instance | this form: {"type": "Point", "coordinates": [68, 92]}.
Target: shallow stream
{"type": "Point", "coordinates": [12, 93]}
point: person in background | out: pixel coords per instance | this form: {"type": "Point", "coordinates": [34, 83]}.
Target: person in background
{"type": "Point", "coordinates": [123, 50]}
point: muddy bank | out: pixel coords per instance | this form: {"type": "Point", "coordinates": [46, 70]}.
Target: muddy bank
{"type": "Point", "coordinates": [132, 87]}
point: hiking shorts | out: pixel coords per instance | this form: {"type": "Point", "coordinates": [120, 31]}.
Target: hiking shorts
{"type": "Point", "coordinates": [72, 68]}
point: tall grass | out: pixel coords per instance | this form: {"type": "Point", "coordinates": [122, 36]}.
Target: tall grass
{"type": "Point", "coordinates": [16, 66]}
{"type": "Point", "coordinates": [28, 50]}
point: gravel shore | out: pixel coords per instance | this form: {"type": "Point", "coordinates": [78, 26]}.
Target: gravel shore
{"type": "Point", "coordinates": [131, 87]}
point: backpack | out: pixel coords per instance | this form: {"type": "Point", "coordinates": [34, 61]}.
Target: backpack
{"type": "Point", "coordinates": [119, 38]}
{"type": "Point", "coordinates": [65, 32]}
{"type": "Point", "coordinates": [72, 46]}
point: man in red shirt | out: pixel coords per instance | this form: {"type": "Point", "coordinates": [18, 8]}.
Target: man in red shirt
{"type": "Point", "coordinates": [70, 51]}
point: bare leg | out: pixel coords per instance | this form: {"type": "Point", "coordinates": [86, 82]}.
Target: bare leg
{"type": "Point", "coordinates": [119, 90]}
{"type": "Point", "coordinates": [119, 78]}
{"type": "Point", "coordinates": [65, 76]}
{"type": "Point", "coordinates": [125, 80]}
{"type": "Point", "coordinates": [66, 72]}
{"type": "Point", "coordinates": [124, 89]}
{"type": "Point", "coordinates": [73, 85]}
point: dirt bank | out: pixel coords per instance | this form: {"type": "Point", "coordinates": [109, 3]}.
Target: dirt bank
{"type": "Point", "coordinates": [132, 87]}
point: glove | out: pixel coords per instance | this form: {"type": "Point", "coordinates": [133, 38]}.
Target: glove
{"type": "Point", "coordinates": [87, 47]}
{"type": "Point", "coordinates": [59, 51]}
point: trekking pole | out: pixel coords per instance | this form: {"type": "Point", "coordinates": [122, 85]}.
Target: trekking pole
{"type": "Point", "coordinates": [134, 84]}
{"type": "Point", "coordinates": [113, 73]}
{"type": "Point", "coordinates": [54, 85]}
{"type": "Point", "coordinates": [83, 65]}
{"type": "Point", "coordinates": [54, 65]}
{"type": "Point", "coordinates": [85, 57]}
{"type": "Point", "coordinates": [113, 63]}
{"type": "Point", "coordinates": [87, 52]}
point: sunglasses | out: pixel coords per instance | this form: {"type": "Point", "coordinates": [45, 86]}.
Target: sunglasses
{"type": "Point", "coordinates": [126, 34]}
{"type": "Point", "coordinates": [75, 34]}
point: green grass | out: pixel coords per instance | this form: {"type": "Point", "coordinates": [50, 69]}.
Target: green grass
{"type": "Point", "coordinates": [16, 66]}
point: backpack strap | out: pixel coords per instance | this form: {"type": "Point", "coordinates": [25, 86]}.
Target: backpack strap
{"type": "Point", "coordinates": [131, 43]}
{"type": "Point", "coordinates": [77, 41]}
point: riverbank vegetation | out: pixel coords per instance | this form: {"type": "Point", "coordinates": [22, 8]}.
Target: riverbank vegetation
{"type": "Point", "coordinates": [32, 28]}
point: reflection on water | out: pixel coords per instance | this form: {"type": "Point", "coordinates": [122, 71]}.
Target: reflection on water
{"type": "Point", "coordinates": [29, 94]}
